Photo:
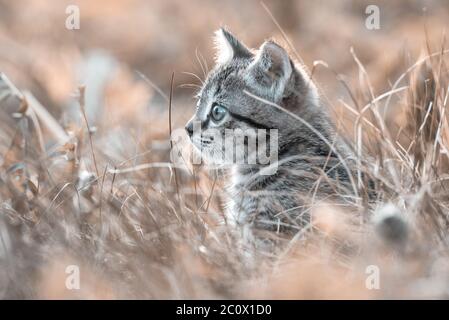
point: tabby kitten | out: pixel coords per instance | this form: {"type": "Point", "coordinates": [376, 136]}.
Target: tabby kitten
{"type": "Point", "coordinates": [266, 90]}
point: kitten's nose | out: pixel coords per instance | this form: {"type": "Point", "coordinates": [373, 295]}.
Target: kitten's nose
{"type": "Point", "coordinates": [189, 128]}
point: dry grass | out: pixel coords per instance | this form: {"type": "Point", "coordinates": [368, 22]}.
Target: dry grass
{"type": "Point", "coordinates": [88, 181]}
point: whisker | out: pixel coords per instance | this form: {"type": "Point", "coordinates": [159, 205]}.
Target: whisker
{"type": "Point", "coordinates": [193, 75]}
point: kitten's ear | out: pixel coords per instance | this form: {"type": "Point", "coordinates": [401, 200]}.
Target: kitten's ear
{"type": "Point", "coordinates": [228, 47]}
{"type": "Point", "coordinates": [271, 70]}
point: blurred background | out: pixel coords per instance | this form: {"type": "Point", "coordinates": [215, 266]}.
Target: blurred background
{"type": "Point", "coordinates": [156, 38]}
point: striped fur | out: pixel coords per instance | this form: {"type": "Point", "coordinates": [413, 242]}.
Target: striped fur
{"type": "Point", "coordinates": [310, 165]}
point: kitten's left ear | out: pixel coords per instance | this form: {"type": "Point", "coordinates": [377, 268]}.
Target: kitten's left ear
{"type": "Point", "coordinates": [229, 47]}
{"type": "Point", "coordinates": [270, 72]}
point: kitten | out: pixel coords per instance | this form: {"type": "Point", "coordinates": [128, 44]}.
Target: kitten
{"type": "Point", "coordinates": [265, 91]}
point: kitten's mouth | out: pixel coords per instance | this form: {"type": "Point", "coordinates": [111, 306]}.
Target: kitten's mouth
{"type": "Point", "coordinates": [205, 142]}
{"type": "Point", "coordinates": [201, 142]}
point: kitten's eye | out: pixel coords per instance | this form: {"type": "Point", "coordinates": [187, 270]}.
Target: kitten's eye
{"type": "Point", "coordinates": [218, 112]}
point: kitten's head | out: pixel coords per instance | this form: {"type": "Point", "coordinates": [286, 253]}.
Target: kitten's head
{"type": "Point", "coordinates": [224, 103]}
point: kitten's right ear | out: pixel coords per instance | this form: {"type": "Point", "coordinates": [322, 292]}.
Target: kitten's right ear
{"type": "Point", "coordinates": [229, 47]}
